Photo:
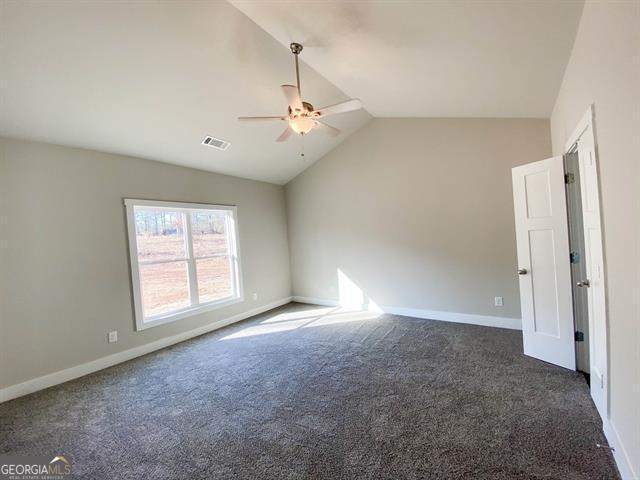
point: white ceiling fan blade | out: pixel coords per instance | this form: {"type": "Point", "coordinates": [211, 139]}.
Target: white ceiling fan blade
{"type": "Point", "coordinates": [262, 119]}
{"type": "Point", "coordinates": [293, 97]}
{"type": "Point", "coordinates": [328, 129]}
{"type": "Point", "coordinates": [285, 135]}
{"type": "Point", "coordinates": [342, 107]}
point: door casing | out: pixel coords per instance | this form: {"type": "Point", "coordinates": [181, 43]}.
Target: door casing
{"type": "Point", "coordinates": [583, 141]}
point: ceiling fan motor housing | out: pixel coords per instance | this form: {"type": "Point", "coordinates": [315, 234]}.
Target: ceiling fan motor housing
{"type": "Point", "coordinates": [307, 108]}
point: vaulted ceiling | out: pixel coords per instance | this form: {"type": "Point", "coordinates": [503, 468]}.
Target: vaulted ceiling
{"type": "Point", "coordinates": [436, 58]}
{"type": "Point", "coordinates": [152, 79]}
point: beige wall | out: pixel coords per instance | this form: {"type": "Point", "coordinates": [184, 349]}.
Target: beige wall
{"type": "Point", "coordinates": [64, 260]}
{"type": "Point", "coordinates": [604, 70]}
{"type": "Point", "coordinates": [417, 213]}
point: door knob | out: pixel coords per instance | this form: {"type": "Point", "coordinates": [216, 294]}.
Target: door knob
{"type": "Point", "coordinates": [522, 271]}
{"type": "Point", "coordinates": [584, 283]}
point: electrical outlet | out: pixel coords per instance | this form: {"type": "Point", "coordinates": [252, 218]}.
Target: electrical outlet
{"type": "Point", "coordinates": [255, 297]}
{"type": "Point", "coordinates": [498, 302]}
{"type": "Point", "coordinates": [113, 336]}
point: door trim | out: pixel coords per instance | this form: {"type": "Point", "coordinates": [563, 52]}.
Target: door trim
{"type": "Point", "coordinates": [586, 127]}
{"type": "Point", "coordinates": [583, 125]}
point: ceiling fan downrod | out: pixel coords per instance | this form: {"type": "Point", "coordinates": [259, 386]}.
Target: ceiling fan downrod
{"type": "Point", "coordinates": [296, 48]}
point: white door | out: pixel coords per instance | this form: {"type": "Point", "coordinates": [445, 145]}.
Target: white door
{"type": "Point", "coordinates": [594, 283]}
{"type": "Point", "coordinates": [542, 236]}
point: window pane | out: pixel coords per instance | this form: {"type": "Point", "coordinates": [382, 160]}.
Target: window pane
{"type": "Point", "coordinates": [159, 234]}
{"type": "Point", "coordinates": [214, 278]}
{"type": "Point", "coordinates": [165, 287]}
{"type": "Point", "coordinates": [209, 232]}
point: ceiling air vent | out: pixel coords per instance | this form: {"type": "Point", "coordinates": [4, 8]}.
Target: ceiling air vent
{"type": "Point", "coordinates": [215, 143]}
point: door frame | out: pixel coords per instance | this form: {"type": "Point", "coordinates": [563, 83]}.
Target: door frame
{"type": "Point", "coordinates": [586, 128]}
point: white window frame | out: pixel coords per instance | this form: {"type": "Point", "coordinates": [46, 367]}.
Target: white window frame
{"type": "Point", "coordinates": [196, 307]}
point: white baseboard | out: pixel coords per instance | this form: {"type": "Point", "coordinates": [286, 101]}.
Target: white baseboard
{"type": "Point", "coordinates": [484, 320]}
{"type": "Point", "coordinates": [620, 455]}
{"type": "Point", "coordinates": [316, 301]}
{"type": "Point", "coordinates": [46, 381]}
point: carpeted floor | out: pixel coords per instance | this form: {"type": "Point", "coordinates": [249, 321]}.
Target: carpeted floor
{"type": "Point", "coordinates": [312, 392]}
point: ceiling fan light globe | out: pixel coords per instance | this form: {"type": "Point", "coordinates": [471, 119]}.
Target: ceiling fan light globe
{"type": "Point", "coordinates": [301, 124]}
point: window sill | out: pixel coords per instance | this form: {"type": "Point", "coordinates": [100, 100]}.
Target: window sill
{"type": "Point", "coordinates": [188, 312]}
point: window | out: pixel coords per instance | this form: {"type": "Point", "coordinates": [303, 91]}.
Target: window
{"type": "Point", "coordinates": [184, 259]}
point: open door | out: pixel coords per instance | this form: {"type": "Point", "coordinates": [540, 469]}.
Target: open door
{"type": "Point", "coordinates": [542, 236]}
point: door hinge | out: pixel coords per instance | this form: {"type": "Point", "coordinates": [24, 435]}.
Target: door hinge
{"type": "Point", "coordinates": [579, 336]}
{"type": "Point", "coordinates": [569, 178]}
{"type": "Point", "coordinates": [574, 257]}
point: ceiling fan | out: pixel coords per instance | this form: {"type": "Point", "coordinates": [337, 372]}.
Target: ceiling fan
{"type": "Point", "coordinates": [302, 117]}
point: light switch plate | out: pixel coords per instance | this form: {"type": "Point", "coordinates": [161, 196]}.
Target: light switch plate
{"type": "Point", "coordinates": [499, 302]}
{"type": "Point", "coordinates": [113, 336]}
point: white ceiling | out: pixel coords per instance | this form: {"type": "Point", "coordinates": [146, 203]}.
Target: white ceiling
{"type": "Point", "coordinates": [151, 79]}
{"type": "Point", "coordinates": [465, 58]}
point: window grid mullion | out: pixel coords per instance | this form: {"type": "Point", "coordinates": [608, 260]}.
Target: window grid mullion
{"type": "Point", "coordinates": [217, 255]}
{"type": "Point", "coordinates": [193, 275]}
{"type": "Point", "coordinates": [160, 262]}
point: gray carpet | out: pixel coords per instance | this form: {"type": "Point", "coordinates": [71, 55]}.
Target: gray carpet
{"type": "Point", "coordinates": [292, 394]}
